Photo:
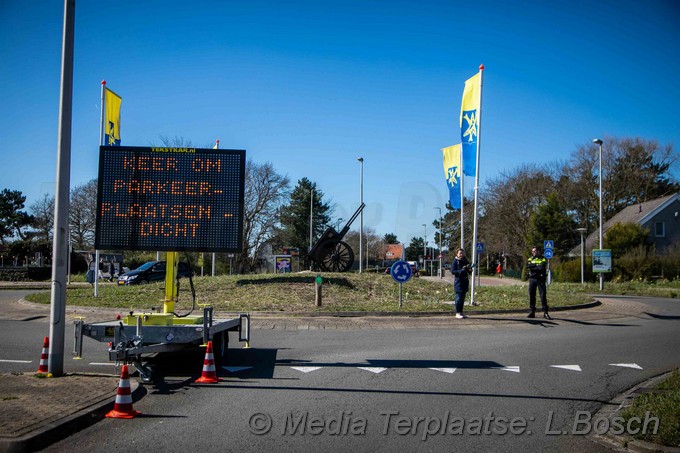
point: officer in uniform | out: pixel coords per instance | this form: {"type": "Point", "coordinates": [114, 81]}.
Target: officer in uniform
{"type": "Point", "coordinates": [536, 265]}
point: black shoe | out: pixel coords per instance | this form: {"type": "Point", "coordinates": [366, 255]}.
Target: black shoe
{"type": "Point", "coordinates": [546, 315]}
{"type": "Point", "coordinates": [532, 315]}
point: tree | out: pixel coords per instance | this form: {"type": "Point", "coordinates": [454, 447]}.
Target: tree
{"type": "Point", "coordinates": [622, 237]}
{"type": "Point", "coordinates": [550, 221]}
{"type": "Point", "coordinates": [13, 220]}
{"type": "Point", "coordinates": [294, 217]}
{"type": "Point", "coordinates": [83, 215]}
{"type": "Point", "coordinates": [43, 215]}
{"type": "Point", "coordinates": [415, 249]}
{"type": "Point", "coordinates": [265, 192]}
{"type": "Point", "coordinates": [390, 238]}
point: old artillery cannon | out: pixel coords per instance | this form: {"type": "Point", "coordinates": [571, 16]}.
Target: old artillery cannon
{"type": "Point", "coordinates": [330, 253]}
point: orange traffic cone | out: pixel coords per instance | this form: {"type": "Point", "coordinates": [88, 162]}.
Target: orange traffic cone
{"type": "Point", "coordinates": [209, 375]}
{"type": "Point", "coordinates": [42, 368]}
{"type": "Point", "coordinates": [122, 408]}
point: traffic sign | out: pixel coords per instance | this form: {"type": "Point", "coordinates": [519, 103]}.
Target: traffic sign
{"type": "Point", "coordinates": [401, 271]}
{"type": "Point", "coordinates": [548, 244]}
{"type": "Point", "coordinates": [548, 253]}
{"type": "Point", "coordinates": [480, 247]}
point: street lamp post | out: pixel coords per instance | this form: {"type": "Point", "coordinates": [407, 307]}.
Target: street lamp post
{"type": "Point", "coordinates": [340, 219]}
{"type": "Point", "coordinates": [582, 231]}
{"type": "Point", "coordinates": [441, 273]}
{"type": "Point", "coordinates": [599, 143]}
{"type": "Point", "coordinates": [361, 216]}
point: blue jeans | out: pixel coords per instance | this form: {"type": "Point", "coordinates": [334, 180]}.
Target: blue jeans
{"type": "Point", "coordinates": [460, 301]}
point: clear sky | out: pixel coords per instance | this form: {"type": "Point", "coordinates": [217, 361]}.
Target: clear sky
{"type": "Point", "coordinates": [312, 85]}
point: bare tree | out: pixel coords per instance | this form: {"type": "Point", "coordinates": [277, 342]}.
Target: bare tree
{"type": "Point", "coordinates": [265, 192]}
{"type": "Point", "coordinates": [82, 215]}
{"type": "Point", "coordinates": [43, 213]}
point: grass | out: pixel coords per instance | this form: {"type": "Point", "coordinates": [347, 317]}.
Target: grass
{"type": "Point", "coordinates": [664, 404]}
{"type": "Point", "coordinates": [295, 293]}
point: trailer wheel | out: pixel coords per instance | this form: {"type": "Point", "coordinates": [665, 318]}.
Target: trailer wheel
{"type": "Point", "coordinates": [220, 346]}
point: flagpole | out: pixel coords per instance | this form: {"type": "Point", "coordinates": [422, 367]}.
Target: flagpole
{"type": "Point", "coordinates": [475, 270]}
{"type": "Point", "coordinates": [462, 200]}
{"type": "Point", "coordinates": [101, 142]}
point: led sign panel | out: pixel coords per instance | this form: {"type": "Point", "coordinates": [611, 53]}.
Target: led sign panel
{"type": "Point", "coordinates": [172, 199]}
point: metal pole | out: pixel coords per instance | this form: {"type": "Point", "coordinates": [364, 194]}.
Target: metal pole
{"type": "Point", "coordinates": [475, 270]}
{"type": "Point", "coordinates": [55, 361]}
{"type": "Point", "coordinates": [599, 142]}
{"type": "Point", "coordinates": [425, 244]}
{"type": "Point", "coordinates": [582, 232]}
{"type": "Point", "coordinates": [441, 273]}
{"type": "Point", "coordinates": [311, 223]}
{"type": "Point", "coordinates": [361, 216]}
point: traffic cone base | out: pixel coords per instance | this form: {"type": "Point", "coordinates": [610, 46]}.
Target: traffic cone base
{"type": "Point", "coordinates": [209, 374]}
{"type": "Point", "coordinates": [122, 408]}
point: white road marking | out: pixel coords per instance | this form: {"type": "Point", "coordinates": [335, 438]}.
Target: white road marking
{"type": "Point", "coordinates": [15, 361]}
{"type": "Point", "coordinates": [236, 369]}
{"type": "Point", "coordinates": [568, 367]}
{"type": "Point", "coordinates": [445, 370]}
{"type": "Point", "coordinates": [306, 369]}
{"type": "Point", "coordinates": [372, 369]}
{"type": "Point", "coordinates": [627, 365]}
{"type": "Point", "coordinates": [101, 364]}
{"type": "Point", "coordinates": [514, 369]}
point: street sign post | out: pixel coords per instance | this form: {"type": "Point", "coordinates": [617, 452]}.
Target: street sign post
{"type": "Point", "coordinates": [401, 273]}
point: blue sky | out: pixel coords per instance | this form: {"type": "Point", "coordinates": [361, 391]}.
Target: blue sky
{"type": "Point", "coordinates": [310, 86]}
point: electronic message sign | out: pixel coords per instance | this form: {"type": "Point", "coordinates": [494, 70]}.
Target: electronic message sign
{"type": "Point", "coordinates": [171, 199]}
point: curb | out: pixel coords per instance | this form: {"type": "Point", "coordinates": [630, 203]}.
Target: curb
{"type": "Point", "coordinates": [626, 442]}
{"type": "Point", "coordinates": [65, 427]}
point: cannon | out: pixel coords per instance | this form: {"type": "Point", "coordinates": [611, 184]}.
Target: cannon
{"type": "Point", "coordinates": [330, 253]}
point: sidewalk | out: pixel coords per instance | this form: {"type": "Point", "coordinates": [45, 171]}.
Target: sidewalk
{"type": "Point", "coordinates": [35, 412]}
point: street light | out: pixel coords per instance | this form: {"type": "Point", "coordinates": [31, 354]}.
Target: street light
{"type": "Point", "coordinates": [582, 231]}
{"type": "Point", "coordinates": [599, 143]}
{"type": "Point", "coordinates": [441, 274]}
{"type": "Point", "coordinates": [361, 216]}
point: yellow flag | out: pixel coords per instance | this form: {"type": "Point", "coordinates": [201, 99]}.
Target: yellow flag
{"type": "Point", "coordinates": [452, 173]}
{"type": "Point", "coordinates": [112, 117]}
{"type": "Point", "coordinates": [469, 122]}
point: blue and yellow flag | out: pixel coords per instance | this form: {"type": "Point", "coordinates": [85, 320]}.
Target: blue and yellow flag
{"type": "Point", "coordinates": [112, 118]}
{"type": "Point", "coordinates": [452, 173]}
{"type": "Point", "coordinates": [469, 123]}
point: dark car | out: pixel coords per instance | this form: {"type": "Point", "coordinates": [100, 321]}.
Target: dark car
{"type": "Point", "coordinates": [153, 271]}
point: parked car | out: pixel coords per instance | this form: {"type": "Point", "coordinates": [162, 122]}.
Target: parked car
{"type": "Point", "coordinates": [153, 271]}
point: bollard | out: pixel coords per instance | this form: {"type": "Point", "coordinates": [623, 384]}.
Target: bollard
{"type": "Point", "coordinates": [319, 281]}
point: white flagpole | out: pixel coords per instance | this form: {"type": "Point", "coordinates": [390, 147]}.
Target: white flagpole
{"type": "Point", "coordinates": [475, 270]}
{"type": "Point", "coordinates": [101, 142]}
{"type": "Point", "coordinates": [462, 199]}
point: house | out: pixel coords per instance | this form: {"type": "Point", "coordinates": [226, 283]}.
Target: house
{"type": "Point", "coordinates": [393, 252]}
{"type": "Point", "coordinates": [661, 217]}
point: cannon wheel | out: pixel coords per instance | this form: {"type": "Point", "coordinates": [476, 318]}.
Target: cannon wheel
{"type": "Point", "coordinates": [335, 256]}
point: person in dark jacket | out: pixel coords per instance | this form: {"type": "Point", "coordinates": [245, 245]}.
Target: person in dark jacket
{"type": "Point", "coordinates": [460, 268]}
{"type": "Point", "coordinates": [536, 265]}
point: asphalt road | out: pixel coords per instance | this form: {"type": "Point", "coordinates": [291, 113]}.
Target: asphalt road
{"type": "Point", "coordinates": [486, 387]}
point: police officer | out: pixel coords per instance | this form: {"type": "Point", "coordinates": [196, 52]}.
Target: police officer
{"type": "Point", "coordinates": [536, 265]}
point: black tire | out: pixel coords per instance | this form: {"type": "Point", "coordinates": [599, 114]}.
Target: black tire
{"type": "Point", "coordinates": [220, 343]}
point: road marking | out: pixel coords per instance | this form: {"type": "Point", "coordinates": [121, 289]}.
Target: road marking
{"type": "Point", "coordinates": [372, 369]}
{"type": "Point", "coordinates": [627, 365]}
{"type": "Point", "coordinates": [514, 369]}
{"type": "Point", "coordinates": [236, 369]}
{"type": "Point", "coordinates": [101, 364]}
{"type": "Point", "coordinates": [568, 367]}
{"type": "Point", "coordinates": [306, 369]}
{"type": "Point", "coordinates": [15, 361]}
{"type": "Point", "coordinates": [444, 370]}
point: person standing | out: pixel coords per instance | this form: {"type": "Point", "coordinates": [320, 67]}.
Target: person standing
{"type": "Point", "coordinates": [536, 265]}
{"type": "Point", "coordinates": [460, 268]}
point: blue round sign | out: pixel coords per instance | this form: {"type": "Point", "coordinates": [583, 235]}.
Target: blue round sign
{"type": "Point", "coordinates": [548, 253]}
{"type": "Point", "coordinates": [401, 271]}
